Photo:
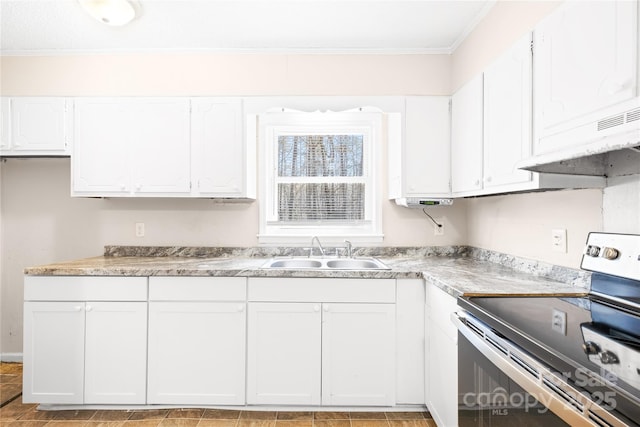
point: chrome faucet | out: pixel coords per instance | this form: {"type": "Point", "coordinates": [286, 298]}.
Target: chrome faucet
{"type": "Point", "coordinates": [349, 249]}
{"type": "Point", "coordinates": [315, 239]}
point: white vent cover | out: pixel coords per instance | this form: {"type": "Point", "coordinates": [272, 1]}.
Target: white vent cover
{"type": "Point", "coordinates": [620, 119]}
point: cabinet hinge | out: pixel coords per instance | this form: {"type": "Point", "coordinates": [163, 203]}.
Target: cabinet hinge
{"type": "Point", "coordinates": [531, 46]}
{"type": "Point", "coordinates": [450, 105]}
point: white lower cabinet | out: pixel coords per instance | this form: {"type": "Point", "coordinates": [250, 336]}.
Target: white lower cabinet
{"type": "Point", "coordinates": [115, 353]}
{"type": "Point", "coordinates": [196, 353]}
{"type": "Point", "coordinates": [85, 340]}
{"type": "Point", "coordinates": [321, 354]}
{"type": "Point", "coordinates": [358, 354]}
{"type": "Point", "coordinates": [53, 352]}
{"type": "Point", "coordinates": [197, 335]}
{"type": "Point", "coordinates": [442, 365]}
{"type": "Point", "coordinates": [284, 353]}
{"type": "Point", "coordinates": [309, 345]}
{"type": "Point", "coordinates": [410, 341]}
{"type": "Point", "coordinates": [220, 341]}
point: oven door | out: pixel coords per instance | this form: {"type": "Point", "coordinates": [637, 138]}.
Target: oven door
{"type": "Point", "coordinates": [499, 384]}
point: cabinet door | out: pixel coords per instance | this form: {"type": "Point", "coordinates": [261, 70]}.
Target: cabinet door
{"type": "Point", "coordinates": [115, 353]}
{"type": "Point", "coordinates": [53, 352]}
{"type": "Point", "coordinates": [218, 147]}
{"type": "Point", "coordinates": [442, 366]}
{"type": "Point", "coordinates": [160, 144]}
{"type": "Point", "coordinates": [507, 116]}
{"type": "Point", "coordinates": [358, 354]}
{"type": "Point", "coordinates": [210, 338]}
{"type": "Point", "coordinates": [585, 60]}
{"type": "Point", "coordinates": [126, 146]}
{"type": "Point", "coordinates": [284, 359]}
{"type": "Point", "coordinates": [466, 137]}
{"type": "Point", "coordinates": [40, 124]}
{"type": "Point", "coordinates": [4, 124]}
{"type": "Point", "coordinates": [443, 377]}
{"type": "Point", "coordinates": [101, 152]}
{"type": "Point", "coordinates": [426, 167]}
{"type": "Point", "coordinates": [410, 341]}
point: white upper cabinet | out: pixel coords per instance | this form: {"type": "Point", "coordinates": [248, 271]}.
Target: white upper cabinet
{"type": "Point", "coordinates": [160, 137]}
{"type": "Point", "coordinates": [492, 131]}
{"type": "Point", "coordinates": [162, 147]}
{"type": "Point", "coordinates": [466, 137]}
{"type": "Point", "coordinates": [586, 57]}
{"type": "Point", "coordinates": [419, 161]}
{"type": "Point", "coordinates": [131, 147]}
{"type": "Point", "coordinates": [36, 126]}
{"type": "Point", "coordinates": [221, 157]}
{"type": "Point", "coordinates": [100, 160]}
{"type": "Point", "coordinates": [507, 116]}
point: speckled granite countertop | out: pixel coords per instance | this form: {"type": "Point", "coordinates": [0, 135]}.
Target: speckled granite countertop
{"type": "Point", "coordinates": [459, 270]}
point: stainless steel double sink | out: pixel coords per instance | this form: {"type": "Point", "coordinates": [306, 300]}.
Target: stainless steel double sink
{"type": "Point", "coordinates": [305, 263]}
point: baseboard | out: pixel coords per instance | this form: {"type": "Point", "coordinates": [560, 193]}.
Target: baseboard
{"type": "Point", "coordinates": [11, 357]}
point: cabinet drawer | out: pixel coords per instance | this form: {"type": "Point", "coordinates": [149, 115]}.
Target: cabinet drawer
{"type": "Point", "coordinates": [322, 290]}
{"type": "Point", "coordinates": [197, 288]}
{"type": "Point", "coordinates": [85, 288]}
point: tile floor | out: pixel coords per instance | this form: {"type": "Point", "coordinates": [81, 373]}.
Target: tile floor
{"type": "Point", "coordinates": [15, 414]}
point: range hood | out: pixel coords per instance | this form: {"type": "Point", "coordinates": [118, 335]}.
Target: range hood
{"type": "Point", "coordinates": [590, 144]}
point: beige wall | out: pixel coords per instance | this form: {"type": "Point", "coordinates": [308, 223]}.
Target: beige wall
{"type": "Point", "coordinates": [521, 224]}
{"type": "Point", "coordinates": [505, 23]}
{"type": "Point", "coordinates": [215, 74]}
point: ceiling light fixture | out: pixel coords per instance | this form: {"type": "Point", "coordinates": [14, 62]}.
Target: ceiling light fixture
{"type": "Point", "coordinates": [110, 12]}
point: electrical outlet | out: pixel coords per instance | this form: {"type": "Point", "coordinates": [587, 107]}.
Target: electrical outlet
{"type": "Point", "coordinates": [559, 240]}
{"type": "Point", "coordinates": [559, 322]}
{"type": "Point", "coordinates": [438, 231]}
{"type": "Point", "coordinates": [139, 229]}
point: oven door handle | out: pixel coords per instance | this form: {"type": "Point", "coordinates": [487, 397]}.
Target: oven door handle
{"type": "Point", "coordinates": [548, 388]}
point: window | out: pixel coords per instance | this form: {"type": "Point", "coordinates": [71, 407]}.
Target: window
{"type": "Point", "coordinates": [319, 177]}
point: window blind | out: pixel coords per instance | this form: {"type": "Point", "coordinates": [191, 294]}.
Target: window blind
{"type": "Point", "coordinates": [320, 178]}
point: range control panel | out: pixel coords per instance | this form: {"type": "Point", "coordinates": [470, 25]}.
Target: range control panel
{"type": "Point", "coordinates": [615, 254]}
{"type": "Point", "coordinates": [620, 360]}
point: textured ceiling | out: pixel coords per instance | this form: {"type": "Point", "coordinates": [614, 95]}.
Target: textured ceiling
{"type": "Point", "coordinates": [402, 26]}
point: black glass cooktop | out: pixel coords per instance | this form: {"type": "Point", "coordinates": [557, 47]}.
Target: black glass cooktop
{"type": "Point", "coordinates": [529, 323]}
